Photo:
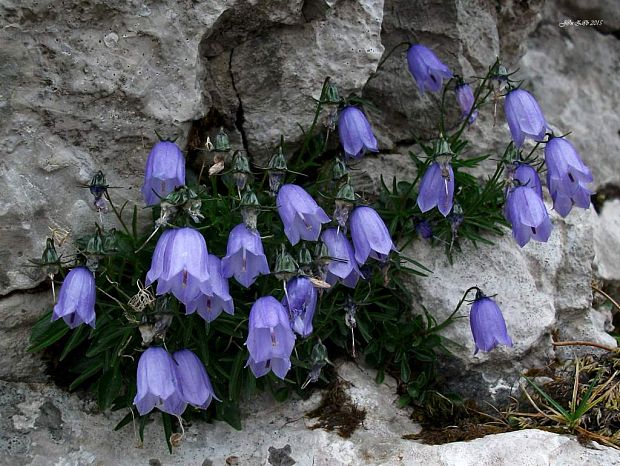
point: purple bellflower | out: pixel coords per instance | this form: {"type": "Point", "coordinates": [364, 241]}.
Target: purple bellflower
{"type": "Point", "coordinates": [165, 170]}
{"type": "Point", "coordinates": [193, 380]}
{"type": "Point", "coordinates": [210, 306]}
{"type": "Point", "coordinates": [270, 338]}
{"type": "Point", "coordinates": [245, 257]}
{"type": "Point", "coordinates": [527, 214]}
{"type": "Point", "coordinates": [487, 324]}
{"type": "Point", "coordinates": [524, 116]}
{"type": "Point", "coordinates": [300, 301]}
{"type": "Point", "coordinates": [76, 300]}
{"type": "Point", "coordinates": [424, 229]}
{"type": "Point", "coordinates": [465, 99]}
{"type": "Point", "coordinates": [301, 215]}
{"type": "Point", "coordinates": [437, 188]}
{"type": "Point", "coordinates": [342, 264]}
{"type": "Point", "coordinates": [370, 235]}
{"type": "Point", "coordinates": [355, 132]}
{"type": "Point", "coordinates": [158, 385]}
{"type": "Point", "coordinates": [179, 265]}
{"type": "Point", "coordinates": [426, 68]}
{"type": "Point", "coordinates": [527, 175]}
{"type": "Point", "coordinates": [567, 176]}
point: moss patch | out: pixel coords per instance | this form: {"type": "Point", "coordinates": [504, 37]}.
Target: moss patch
{"type": "Point", "coordinates": [337, 412]}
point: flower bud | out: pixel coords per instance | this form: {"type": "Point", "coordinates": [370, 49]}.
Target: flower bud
{"type": "Point", "coordinates": [222, 144]}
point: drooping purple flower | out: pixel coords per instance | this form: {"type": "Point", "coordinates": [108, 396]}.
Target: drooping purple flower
{"type": "Point", "coordinates": [437, 188]}
{"type": "Point", "coordinates": [370, 235]}
{"type": "Point", "coordinates": [524, 116]}
{"type": "Point", "coordinates": [270, 338]}
{"type": "Point", "coordinates": [300, 302]}
{"type": "Point", "coordinates": [301, 215]}
{"type": "Point", "coordinates": [76, 300]}
{"type": "Point", "coordinates": [465, 99]}
{"type": "Point", "coordinates": [424, 229]}
{"type": "Point", "coordinates": [165, 170]}
{"type": "Point", "coordinates": [158, 385]}
{"type": "Point", "coordinates": [487, 324]}
{"type": "Point", "coordinates": [210, 306]}
{"type": "Point", "coordinates": [426, 68]}
{"type": "Point", "coordinates": [567, 176]}
{"type": "Point", "coordinates": [179, 264]}
{"type": "Point", "coordinates": [355, 132]}
{"type": "Point", "coordinates": [527, 214]}
{"type": "Point", "coordinates": [342, 264]}
{"type": "Point", "coordinates": [193, 380]}
{"type": "Point", "coordinates": [527, 175]}
{"type": "Point", "coordinates": [245, 257]}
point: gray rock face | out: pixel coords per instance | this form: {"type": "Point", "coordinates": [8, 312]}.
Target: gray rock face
{"type": "Point", "coordinates": [41, 425]}
{"type": "Point", "coordinates": [607, 244]}
{"type": "Point", "coordinates": [19, 313]}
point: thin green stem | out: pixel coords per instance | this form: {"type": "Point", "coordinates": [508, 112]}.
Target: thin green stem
{"type": "Point", "coordinates": [317, 112]}
{"type": "Point", "coordinates": [447, 321]}
{"type": "Point", "coordinates": [117, 214]}
{"type": "Point", "coordinates": [383, 60]}
{"type": "Point", "coordinates": [477, 101]}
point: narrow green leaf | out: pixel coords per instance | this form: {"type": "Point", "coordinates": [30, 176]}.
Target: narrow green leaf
{"type": "Point", "coordinates": [92, 370]}
{"type": "Point", "coordinates": [167, 423]}
{"type": "Point", "coordinates": [76, 338]}
{"type": "Point", "coordinates": [45, 332]}
{"type": "Point", "coordinates": [142, 426]}
{"type": "Point", "coordinates": [229, 412]}
{"type": "Point", "coordinates": [126, 420]}
{"type": "Point", "coordinates": [134, 222]}
{"type": "Point", "coordinates": [549, 399]}
{"type": "Point", "coordinates": [405, 370]}
{"type": "Point", "coordinates": [110, 385]}
{"type": "Point", "coordinates": [234, 386]}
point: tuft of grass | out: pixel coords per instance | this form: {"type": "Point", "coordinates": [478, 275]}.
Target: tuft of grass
{"type": "Point", "coordinates": [582, 398]}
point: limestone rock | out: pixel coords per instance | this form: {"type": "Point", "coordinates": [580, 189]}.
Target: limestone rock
{"type": "Point", "coordinates": [607, 242]}
{"type": "Point", "coordinates": [42, 425]}
{"type": "Point", "coordinates": [18, 313]}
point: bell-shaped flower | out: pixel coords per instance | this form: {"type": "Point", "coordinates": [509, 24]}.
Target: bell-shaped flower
{"type": "Point", "coordinates": [465, 99]}
{"type": "Point", "coordinates": [342, 264]}
{"type": "Point", "coordinates": [426, 68]}
{"type": "Point", "coordinates": [567, 176]}
{"type": "Point", "coordinates": [245, 257]}
{"type": "Point", "coordinates": [487, 324]}
{"type": "Point", "coordinates": [370, 235]}
{"type": "Point", "coordinates": [437, 188]}
{"type": "Point", "coordinates": [179, 264]}
{"type": "Point", "coordinates": [301, 215]}
{"type": "Point", "coordinates": [158, 386]}
{"type": "Point", "coordinates": [524, 116]}
{"type": "Point", "coordinates": [527, 214]}
{"type": "Point", "coordinates": [76, 300]}
{"type": "Point", "coordinates": [355, 132]}
{"type": "Point", "coordinates": [527, 175]}
{"type": "Point", "coordinates": [210, 306]}
{"type": "Point", "coordinates": [300, 302]}
{"type": "Point", "coordinates": [270, 338]}
{"type": "Point", "coordinates": [165, 170]}
{"type": "Point", "coordinates": [193, 380]}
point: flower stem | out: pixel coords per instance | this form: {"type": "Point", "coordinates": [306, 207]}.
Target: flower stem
{"type": "Point", "coordinates": [446, 322]}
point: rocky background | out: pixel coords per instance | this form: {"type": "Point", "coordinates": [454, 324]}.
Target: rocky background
{"type": "Point", "coordinates": [84, 84]}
